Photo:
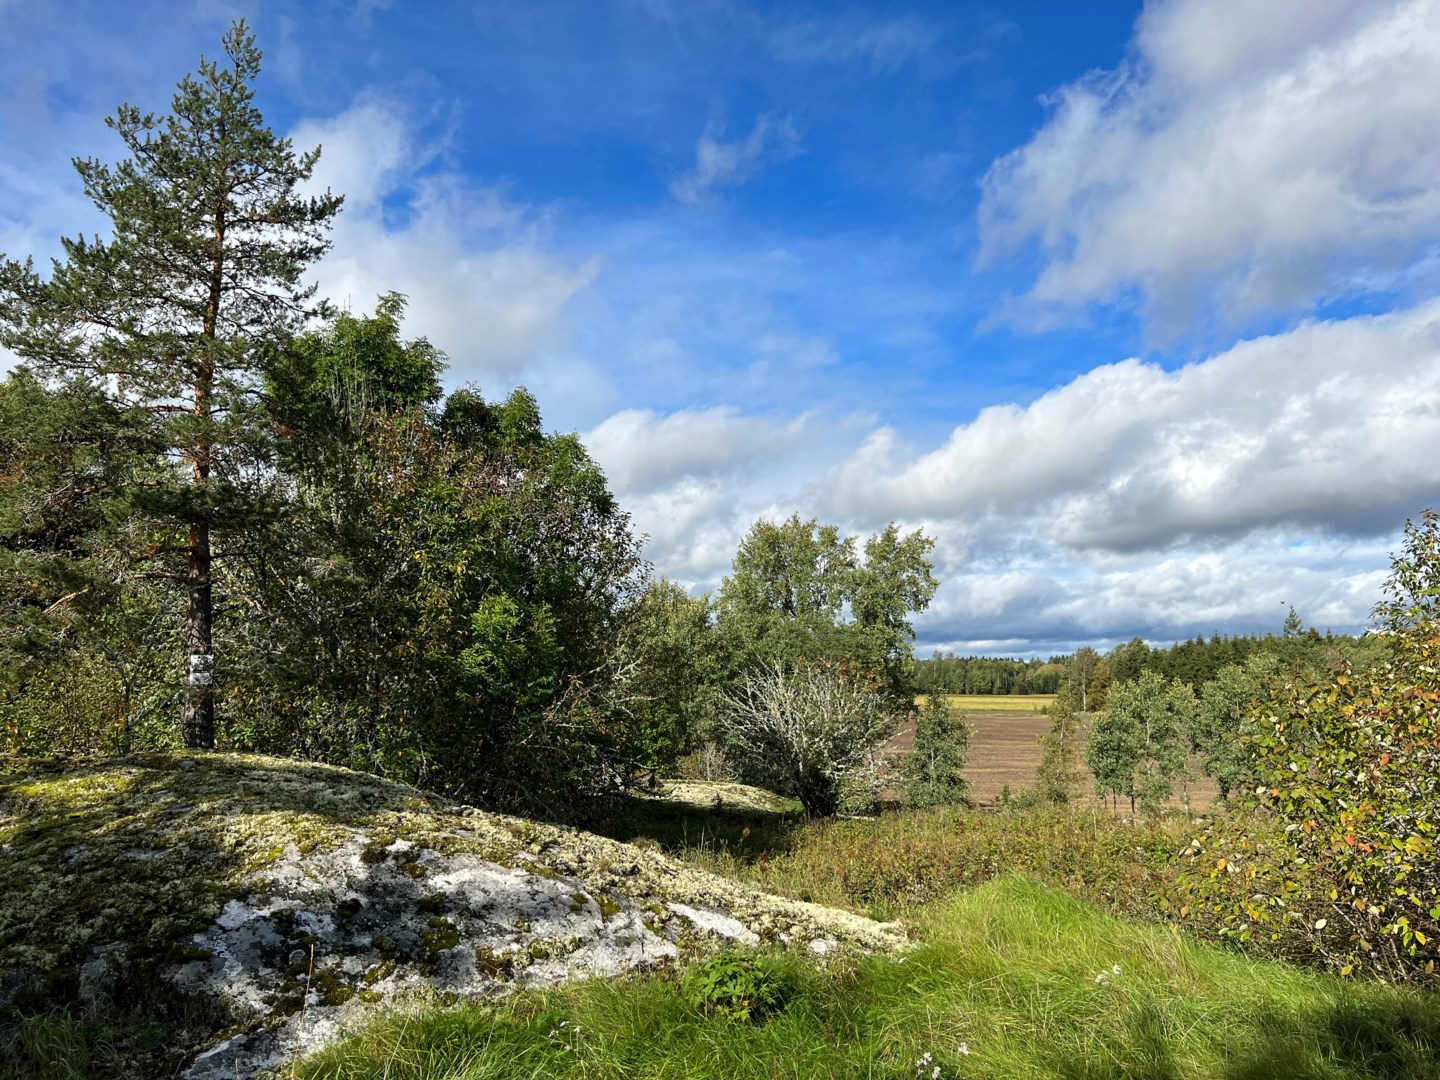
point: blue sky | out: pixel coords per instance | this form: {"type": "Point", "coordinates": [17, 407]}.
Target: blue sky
{"type": "Point", "coordinates": [1133, 307]}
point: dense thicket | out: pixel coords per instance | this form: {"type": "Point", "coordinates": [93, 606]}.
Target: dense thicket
{"type": "Point", "coordinates": [217, 507]}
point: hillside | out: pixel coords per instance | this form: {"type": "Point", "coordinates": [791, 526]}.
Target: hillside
{"type": "Point", "coordinates": [251, 906]}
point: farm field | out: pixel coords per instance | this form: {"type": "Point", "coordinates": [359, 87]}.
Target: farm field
{"type": "Point", "coordinates": [1004, 750]}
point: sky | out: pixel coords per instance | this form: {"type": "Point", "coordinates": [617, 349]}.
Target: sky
{"type": "Point", "coordinates": [1134, 308]}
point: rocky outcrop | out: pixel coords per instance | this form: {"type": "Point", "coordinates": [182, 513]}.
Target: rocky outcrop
{"type": "Point", "coordinates": [293, 897]}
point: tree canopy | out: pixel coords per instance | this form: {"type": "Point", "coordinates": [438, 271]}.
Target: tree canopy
{"type": "Point", "coordinates": [165, 325]}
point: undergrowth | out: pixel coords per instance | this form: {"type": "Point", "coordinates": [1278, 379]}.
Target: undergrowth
{"type": "Point", "coordinates": [887, 864]}
{"type": "Point", "coordinates": [1011, 979]}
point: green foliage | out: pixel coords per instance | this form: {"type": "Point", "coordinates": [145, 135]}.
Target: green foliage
{"type": "Point", "coordinates": [1223, 720]}
{"type": "Point", "coordinates": [740, 987]}
{"type": "Point", "coordinates": [1058, 777]}
{"type": "Point", "coordinates": [448, 608]}
{"type": "Point", "coordinates": [671, 667]}
{"type": "Point", "coordinates": [946, 673]}
{"type": "Point", "coordinates": [1333, 857]}
{"type": "Point", "coordinates": [152, 342]}
{"type": "Point", "coordinates": [1136, 747]}
{"type": "Point", "coordinates": [932, 772]}
{"type": "Point", "coordinates": [786, 600]}
{"type": "Point", "coordinates": [1088, 678]}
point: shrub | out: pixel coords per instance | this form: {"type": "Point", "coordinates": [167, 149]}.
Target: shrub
{"type": "Point", "coordinates": [1059, 777]}
{"type": "Point", "coordinates": [736, 987]}
{"type": "Point", "coordinates": [809, 733]}
{"type": "Point", "coordinates": [1334, 853]}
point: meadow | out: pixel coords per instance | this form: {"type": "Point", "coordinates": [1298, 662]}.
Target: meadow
{"type": "Point", "coordinates": [1035, 954]}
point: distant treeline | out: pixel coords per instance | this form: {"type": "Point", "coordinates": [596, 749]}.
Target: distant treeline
{"type": "Point", "coordinates": [1198, 661]}
{"type": "Point", "coordinates": [1193, 662]}
{"type": "Point", "coordinates": [946, 673]}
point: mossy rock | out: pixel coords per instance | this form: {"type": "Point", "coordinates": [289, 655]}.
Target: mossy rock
{"type": "Point", "coordinates": [248, 890]}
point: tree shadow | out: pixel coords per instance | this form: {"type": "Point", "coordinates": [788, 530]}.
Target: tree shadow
{"type": "Point", "coordinates": [1397, 1038]}
{"type": "Point", "coordinates": [110, 867]}
{"type": "Point", "coordinates": [675, 827]}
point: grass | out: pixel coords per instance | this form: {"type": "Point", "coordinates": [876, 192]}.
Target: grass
{"type": "Point", "coordinates": [885, 865]}
{"type": "Point", "coordinates": [1017, 703]}
{"type": "Point", "coordinates": [1007, 982]}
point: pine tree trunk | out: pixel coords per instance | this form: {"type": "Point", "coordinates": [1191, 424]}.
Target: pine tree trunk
{"type": "Point", "coordinates": [198, 726]}
{"type": "Point", "coordinates": [198, 722]}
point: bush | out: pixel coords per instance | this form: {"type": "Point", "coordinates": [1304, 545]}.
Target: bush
{"type": "Point", "coordinates": [1333, 856]}
{"type": "Point", "coordinates": [810, 734]}
{"type": "Point", "coordinates": [736, 987]}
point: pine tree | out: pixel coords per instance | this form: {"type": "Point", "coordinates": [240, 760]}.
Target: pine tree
{"type": "Point", "coordinates": [172, 317]}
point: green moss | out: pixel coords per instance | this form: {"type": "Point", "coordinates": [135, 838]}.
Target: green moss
{"type": "Point", "coordinates": [495, 965]}
{"type": "Point", "coordinates": [375, 973]}
{"type": "Point", "coordinates": [332, 987]}
{"type": "Point", "coordinates": [440, 934]}
{"type": "Point", "coordinates": [433, 904]}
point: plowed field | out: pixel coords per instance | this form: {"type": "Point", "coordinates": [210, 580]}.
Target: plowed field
{"type": "Point", "coordinates": [1004, 749]}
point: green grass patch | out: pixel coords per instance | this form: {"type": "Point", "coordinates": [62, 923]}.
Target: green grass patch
{"type": "Point", "coordinates": [1012, 979]}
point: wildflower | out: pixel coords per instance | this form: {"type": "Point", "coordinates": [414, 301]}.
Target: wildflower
{"type": "Point", "coordinates": [1116, 969]}
{"type": "Point", "coordinates": [964, 1049]}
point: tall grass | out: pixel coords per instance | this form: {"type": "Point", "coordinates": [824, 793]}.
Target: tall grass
{"type": "Point", "coordinates": [888, 864]}
{"type": "Point", "coordinates": [1012, 979]}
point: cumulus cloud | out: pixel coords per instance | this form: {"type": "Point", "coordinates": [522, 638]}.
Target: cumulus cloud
{"type": "Point", "coordinates": [720, 164]}
{"type": "Point", "coordinates": [1051, 604]}
{"type": "Point", "coordinates": [642, 452]}
{"type": "Point", "coordinates": [1246, 159]}
{"type": "Point", "coordinates": [483, 285]}
{"type": "Point", "coordinates": [1130, 500]}
{"type": "Point", "coordinates": [1333, 426]}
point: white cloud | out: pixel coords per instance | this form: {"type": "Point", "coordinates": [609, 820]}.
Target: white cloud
{"type": "Point", "coordinates": [1131, 500]}
{"type": "Point", "coordinates": [1334, 426]}
{"type": "Point", "coordinates": [642, 452]}
{"type": "Point", "coordinates": [482, 283]}
{"type": "Point", "coordinates": [1248, 158]}
{"type": "Point", "coordinates": [720, 164]}
{"type": "Point", "coordinates": [887, 44]}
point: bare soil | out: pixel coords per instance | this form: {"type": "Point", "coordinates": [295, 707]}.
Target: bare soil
{"type": "Point", "coordinates": [1004, 749]}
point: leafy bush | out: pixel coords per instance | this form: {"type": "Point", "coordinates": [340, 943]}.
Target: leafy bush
{"type": "Point", "coordinates": [1334, 854]}
{"type": "Point", "coordinates": [1137, 745]}
{"type": "Point", "coordinates": [1059, 776]}
{"type": "Point", "coordinates": [931, 773]}
{"type": "Point", "coordinates": [735, 986]}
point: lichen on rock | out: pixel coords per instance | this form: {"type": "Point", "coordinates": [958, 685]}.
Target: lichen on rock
{"type": "Point", "coordinates": [293, 896]}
